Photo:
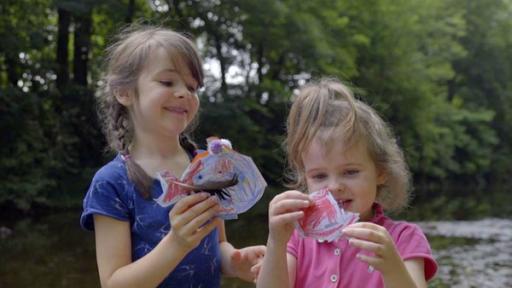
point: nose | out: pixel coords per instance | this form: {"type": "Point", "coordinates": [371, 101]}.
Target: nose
{"type": "Point", "coordinates": [336, 187]}
{"type": "Point", "coordinates": [182, 92]}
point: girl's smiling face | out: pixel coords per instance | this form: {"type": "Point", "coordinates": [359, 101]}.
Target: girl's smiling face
{"type": "Point", "coordinates": [348, 172]}
{"type": "Point", "coordinates": [166, 99]}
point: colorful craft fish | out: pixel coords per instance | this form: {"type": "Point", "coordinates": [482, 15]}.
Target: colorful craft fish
{"type": "Point", "coordinates": [324, 219]}
{"type": "Point", "coordinates": [221, 171]}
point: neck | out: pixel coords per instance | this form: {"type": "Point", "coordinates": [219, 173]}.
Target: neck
{"type": "Point", "coordinates": [148, 147]}
{"type": "Point", "coordinates": [157, 156]}
{"type": "Point", "coordinates": [369, 216]}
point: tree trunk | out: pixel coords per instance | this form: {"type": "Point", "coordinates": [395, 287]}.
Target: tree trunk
{"type": "Point", "coordinates": [62, 48]}
{"type": "Point", "coordinates": [260, 62]}
{"type": "Point", "coordinates": [222, 62]}
{"type": "Point", "coordinates": [81, 48]}
{"type": "Point", "coordinates": [11, 63]}
{"type": "Point", "coordinates": [130, 12]}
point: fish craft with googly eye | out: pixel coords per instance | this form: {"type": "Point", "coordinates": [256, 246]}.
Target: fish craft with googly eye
{"type": "Point", "coordinates": [221, 171]}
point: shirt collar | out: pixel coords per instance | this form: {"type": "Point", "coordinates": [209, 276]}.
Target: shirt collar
{"type": "Point", "coordinates": [378, 213]}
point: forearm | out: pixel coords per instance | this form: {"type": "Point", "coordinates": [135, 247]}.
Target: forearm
{"type": "Point", "coordinates": [150, 270]}
{"type": "Point", "coordinates": [274, 272]}
{"type": "Point", "coordinates": [400, 277]}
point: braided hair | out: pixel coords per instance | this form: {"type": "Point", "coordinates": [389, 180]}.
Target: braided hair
{"type": "Point", "coordinates": [125, 61]}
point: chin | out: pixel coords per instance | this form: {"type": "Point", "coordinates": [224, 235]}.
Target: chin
{"type": "Point", "coordinates": [171, 132]}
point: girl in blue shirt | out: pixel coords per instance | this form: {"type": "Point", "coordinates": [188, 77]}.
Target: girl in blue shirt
{"type": "Point", "coordinates": [148, 102]}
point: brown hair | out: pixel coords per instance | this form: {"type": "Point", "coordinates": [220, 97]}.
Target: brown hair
{"type": "Point", "coordinates": [125, 60]}
{"type": "Point", "coordinates": [327, 109]}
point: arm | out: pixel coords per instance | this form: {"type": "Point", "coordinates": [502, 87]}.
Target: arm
{"type": "Point", "coordinates": [275, 271]}
{"type": "Point", "coordinates": [416, 268]}
{"type": "Point", "coordinates": [113, 244]}
{"type": "Point", "coordinates": [385, 257]}
{"type": "Point", "coordinates": [278, 268]}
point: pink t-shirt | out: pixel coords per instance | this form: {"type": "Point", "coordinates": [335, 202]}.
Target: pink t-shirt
{"type": "Point", "coordinates": [334, 264]}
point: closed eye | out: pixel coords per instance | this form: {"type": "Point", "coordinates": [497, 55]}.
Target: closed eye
{"type": "Point", "coordinates": [166, 83]}
{"type": "Point", "coordinates": [192, 89]}
{"type": "Point", "coordinates": [319, 176]}
{"type": "Point", "coordinates": [351, 172]}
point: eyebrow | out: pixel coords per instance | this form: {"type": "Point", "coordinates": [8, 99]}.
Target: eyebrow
{"type": "Point", "coordinates": [170, 70]}
{"type": "Point", "coordinates": [344, 166]}
{"type": "Point", "coordinates": [313, 170]}
{"type": "Point", "coordinates": [352, 164]}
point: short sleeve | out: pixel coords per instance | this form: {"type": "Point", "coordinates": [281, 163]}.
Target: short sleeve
{"type": "Point", "coordinates": [293, 244]}
{"type": "Point", "coordinates": [106, 196]}
{"type": "Point", "coordinates": [412, 243]}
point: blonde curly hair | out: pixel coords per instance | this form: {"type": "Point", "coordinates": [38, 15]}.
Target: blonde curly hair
{"type": "Point", "coordinates": [327, 109]}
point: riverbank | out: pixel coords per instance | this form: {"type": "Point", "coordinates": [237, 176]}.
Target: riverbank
{"type": "Point", "coordinates": [53, 251]}
{"type": "Point", "coordinates": [482, 256]}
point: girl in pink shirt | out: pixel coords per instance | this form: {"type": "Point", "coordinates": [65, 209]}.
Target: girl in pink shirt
{"type": "Point", "coordinates": [337, 142]}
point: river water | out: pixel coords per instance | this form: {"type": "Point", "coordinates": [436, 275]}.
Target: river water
{"type": "Point", "coordinates": [482, 257]}
{"type": "Point", "coordinates": [53, 251]}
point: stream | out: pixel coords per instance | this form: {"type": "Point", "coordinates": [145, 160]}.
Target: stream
{"type": "Point", "coordinates": [479, 255]}
{"type": "Point", "coordinates": [53, 251]}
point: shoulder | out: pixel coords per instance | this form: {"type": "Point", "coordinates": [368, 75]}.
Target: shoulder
{"type": "Point", "coordinates": [109, 194]}
{"type": "Point", "coordinates": [400, 229]}
{"type": "Point", "coordinates": [299, 246]}
{"type": "Point", "coordinates": [112, 178]}
{"type": "Point", "coordinates": [408, 237]}
{"type": "Point", "coordinates": [412, 243]}
{"type": "Point", "coordinates": [293, 244]}
{"type": "Point", "coordinates": [112, 171]}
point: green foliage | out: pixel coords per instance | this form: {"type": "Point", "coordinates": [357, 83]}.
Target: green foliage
{"type": "Point", "coordinates": [245, 122]}
{"type": "Point", "coordinates": [438, 71]}
{"type": "Point", "coordinates": [483, 77]}
{"type": "Point", "coordinates": [25, 160]}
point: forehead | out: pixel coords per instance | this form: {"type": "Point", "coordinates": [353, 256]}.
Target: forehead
{"type": "Point", "coordinates": [318, 152]}
{"type": "Point", "coordinates": [161, 61]}
{"type": "Point", "coordinates": [158, 60]}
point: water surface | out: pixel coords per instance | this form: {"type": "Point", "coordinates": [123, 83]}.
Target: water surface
{"type": "Point", "coordinates": [53, 251]}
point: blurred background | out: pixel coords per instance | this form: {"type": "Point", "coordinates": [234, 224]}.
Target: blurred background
{"type": "Point", "coordinates": [440, 71]}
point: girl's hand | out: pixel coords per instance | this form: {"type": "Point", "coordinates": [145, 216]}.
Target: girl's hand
{"type": "Point", "coordinates": [191, 219]}
{"type": "Point", "coordinates": [375, 239]}
{"type": "Point", "coordinates": [283, 211]}
{"type": "Point", "coordinates": [246, 262]}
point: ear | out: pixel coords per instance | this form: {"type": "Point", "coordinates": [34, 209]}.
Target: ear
{"type": "Point", "coordinates": [382, 176]}
{"type": "Point", "coordinates": [124, 97]}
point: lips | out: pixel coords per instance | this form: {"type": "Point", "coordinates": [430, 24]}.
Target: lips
{"type": "Point", "coordinates": [177, 110]}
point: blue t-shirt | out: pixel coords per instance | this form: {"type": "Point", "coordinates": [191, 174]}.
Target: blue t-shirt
{"type": "Point", "coordinates": [112, 194]}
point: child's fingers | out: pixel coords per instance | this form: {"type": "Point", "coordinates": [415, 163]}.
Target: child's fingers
{"type": "Point", "coordinates": [205, 230]}
{"type": "Point", "coordinates": [253, 253]}
{"type": "Point", "coordinates": [288, 205]}
{"type": "Point", "coordinates": [364, 233]}
{"type": "Point", "coordinates": [260, 251]}
{"type": "Point", "coordinates": [199, 220]}
{"type": "Point", "coordinates": [283, 219]}
{"type": "Point", "coordinates": [189, 236]}
{"type": "Point", "coordinates": [188, 201]}
{"type": "Point", "coordinates": [255, 270]}
{"type": "Point", "coordinates": [236, 257]}
{"type": "Point", "coordinates": [199, 208]}
{"type": "Point", "coordinates": [367, 245]}
{"type": "Point", "coordinates": [366, 225]}
{"type": "Point", "coordinates": [291, 194]}
{"type": "Point", "coordinates": [375, 262]}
